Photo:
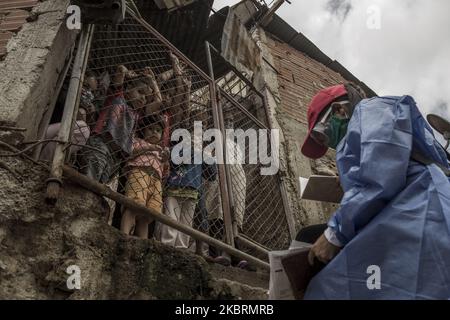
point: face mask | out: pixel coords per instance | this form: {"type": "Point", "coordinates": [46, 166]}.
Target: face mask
{"type": "Point", "coordinates": [336, 131]}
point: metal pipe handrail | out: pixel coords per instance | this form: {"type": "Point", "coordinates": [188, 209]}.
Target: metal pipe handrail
{"type": "Point", "coordinates": [224, 186]}
{"type": "Point", "coordinates": [141, 210]}
{"type": "Point", "coordinates": [70, 107]}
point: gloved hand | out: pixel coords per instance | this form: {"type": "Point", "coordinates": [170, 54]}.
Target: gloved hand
{"type": "Point", "coordinates": [323, 250]}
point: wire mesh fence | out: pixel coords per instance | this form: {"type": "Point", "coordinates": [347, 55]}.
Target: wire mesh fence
{"type": "Point", "coordinates": [137, 92]}
{"type": "Point", "coordinates": [139, 100]}
{"type": "Point", "coordinates": [244, 108]}
{"type": "Point", "coordinates": [258, 207]}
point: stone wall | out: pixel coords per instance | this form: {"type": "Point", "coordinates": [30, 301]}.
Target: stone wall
{"type": "Point", "coordinates": [39, 241]}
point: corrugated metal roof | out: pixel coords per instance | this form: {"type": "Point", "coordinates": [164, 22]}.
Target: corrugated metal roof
{"type": "Point", "coordinates": [13, 15]}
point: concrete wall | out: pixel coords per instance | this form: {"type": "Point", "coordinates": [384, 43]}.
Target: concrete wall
{"type": "Point", "coordinates": [289, 80]}
{"type": "Point", "coordinates": [39, 241]}
{"type": "Point", "coordinates": [35, 58]}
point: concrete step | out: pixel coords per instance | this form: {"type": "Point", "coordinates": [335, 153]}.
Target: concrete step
{"type": "Point", "coordinates": [237, 282]}
{"type": "Point", "coordinates": [226, 289]}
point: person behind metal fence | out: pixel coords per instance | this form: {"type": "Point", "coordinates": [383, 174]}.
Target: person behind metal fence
{"type": "Point", "coordinates": [92, 99]}
{"type": "Point", "coordinates": [239, 193]}
{"type": "Point", "coordinates": [200, 221]}
{"type": "Point", "coordinates": [176, 98]}
{"type": "Point", "coordinates": [144, 175]}
{"type": "Point", "coordinates": [80, 135]}
{"type": "Point", "coordinates": [125, 104]}
{"type": "Point", "coordinates": [390, 238]}
{"type": "Point", "coordinates": [236, 157]}
{"type": "Point", "coordinates": [181, 196]}
{"type": "Point", "coordinates": [111, 136]}
{"type": "Point", "coordinates": [88, 98]}
{"type": "Point", "coordinates": [81, 129]}
{"type": "Point", "coordinates": [208, 194]}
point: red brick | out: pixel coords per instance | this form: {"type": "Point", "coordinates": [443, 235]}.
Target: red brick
{"type": "Point", "coordinates": [2, 51]}
{"type": "Point", "coordinates": [7, 5]}
{"type": "Point", "coordinates": [9, 19]}
{"type": "Point", "coordinates": [15, 14]}
{"type": "Point", "coordinates": [5, 35]}
{"type": "Point", "coordinates": [11, 26]}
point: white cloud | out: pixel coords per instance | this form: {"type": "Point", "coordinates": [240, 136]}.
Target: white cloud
{"type": "Point", "coordinates": [409, 54]}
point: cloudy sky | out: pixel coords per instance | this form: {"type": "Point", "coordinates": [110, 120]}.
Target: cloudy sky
{"type": "Point", "coordinates": [396, 47]}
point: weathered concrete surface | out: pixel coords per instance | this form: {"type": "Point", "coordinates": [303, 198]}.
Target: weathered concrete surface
{"type": "Point", "coordinates": [29, 73]}
{"type": "Point", "coordinates": [38, 242]}
{"type": "Point", "coordinates": [267, 83]}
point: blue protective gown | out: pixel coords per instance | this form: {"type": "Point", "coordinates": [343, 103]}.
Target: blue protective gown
{"type": "Point", "coordinates": [395, 213]}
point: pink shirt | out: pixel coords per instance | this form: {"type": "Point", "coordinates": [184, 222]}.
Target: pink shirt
{"type": "Point", "coordinates": [117, 120]}
{"type": "Point", "coordinates": [148, 158]}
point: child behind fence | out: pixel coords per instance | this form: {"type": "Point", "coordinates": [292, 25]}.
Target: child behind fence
{"type": "Point", "coordinates": [144, 175]}
{"type": "Point", "coordinates": [182, 194]}
{"type": "Point", "coordinates": [111, 139]}
{"type": "Point", "coordinates": [125, 104]}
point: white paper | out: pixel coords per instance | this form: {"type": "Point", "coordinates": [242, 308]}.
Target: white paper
{"type": "Point", "coordinates": [303, 183]}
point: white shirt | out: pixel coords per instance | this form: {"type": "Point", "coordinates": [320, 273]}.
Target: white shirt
{"type": "Point", "coordinates": [330, 234]}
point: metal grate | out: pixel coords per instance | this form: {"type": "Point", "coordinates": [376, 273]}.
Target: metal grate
{"type": "Point", "coordinates": [245, 108]}
{"type": "Point", "coordinates": [257, 201]}
{"type": "Point", "coordinates": [138, 91]}
{"type": "Point", "coordinates": [137, 80]}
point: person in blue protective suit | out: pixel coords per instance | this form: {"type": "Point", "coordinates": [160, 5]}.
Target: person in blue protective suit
{"type": "Point", "coordinates": [390, 238]}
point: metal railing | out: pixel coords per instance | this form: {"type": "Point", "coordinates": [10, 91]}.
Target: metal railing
{"type": "Point", "coordinates": [265, 226]}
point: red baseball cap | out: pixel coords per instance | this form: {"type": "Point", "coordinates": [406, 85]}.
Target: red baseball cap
{"type": "Point", "coordinates": [319, 102]}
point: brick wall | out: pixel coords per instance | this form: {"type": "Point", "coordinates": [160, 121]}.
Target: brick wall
{"type": "Point", "coordinates": [13, 14]}
{"type": "Point", "coordinates": [299, 79]}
